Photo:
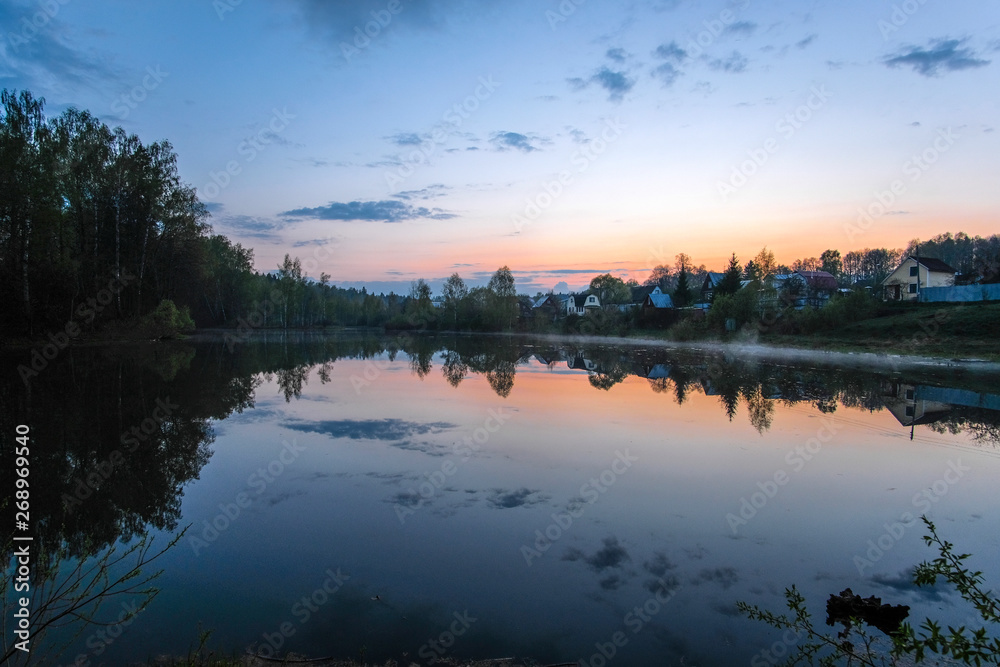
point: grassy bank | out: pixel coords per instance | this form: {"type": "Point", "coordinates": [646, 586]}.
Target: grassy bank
{"type": "Point", "coordinates": [943, 331]}
{"type": "Point", "coordinates": [949, 331]}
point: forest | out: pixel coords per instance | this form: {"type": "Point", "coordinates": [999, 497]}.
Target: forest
{"type": "Point", "coordinates": [99, 235]}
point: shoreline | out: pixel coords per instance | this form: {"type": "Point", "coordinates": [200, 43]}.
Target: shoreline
{"type": "Point", "coordinates": [766, 352]}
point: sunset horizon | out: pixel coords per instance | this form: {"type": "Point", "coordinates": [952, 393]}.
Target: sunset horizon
{"type": "Point", "coordinates": [419, 139]}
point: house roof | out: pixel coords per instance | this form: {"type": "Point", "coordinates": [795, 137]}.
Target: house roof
{"type": "Point", "coordinates": [640, 293]}
{"type": "Point", "coordinates": [539, 301]}
{"type": "Point", "coordinates": [580, 300]}
{"type": "Point", "coordinates": [819, 279]}
{"type": "Point", "coordinates": [713, 279]}
{"type": "Point", "coordinates": [659, 301]}
{"type": "Point", "coordinates": [932, 264]}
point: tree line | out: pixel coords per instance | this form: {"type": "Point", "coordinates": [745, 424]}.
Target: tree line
{"type": "Point", "coordinates": [97, 231]}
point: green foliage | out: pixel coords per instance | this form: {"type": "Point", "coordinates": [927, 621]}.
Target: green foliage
{"type": "Point", "coordinates": [730, 283]}
{"type": "Point", "coordinates": [610, 289]}
{"type": "Point", "coordinates": [854, 645]}
{"type": "Point", "coordinates": [743, 306]}
{"type": "Point", "coordinates": [687, 329]}
{"type": "Point", "coordinates": [831, 262]}
{"type": "Point", "coordinates": [72, 587]}
{"type": "Point", "coordinates": [682, 293]}
{"type": "Point", "coordinates": [502, 300]}
{"type": "Point", "coordinates": [167, 321]}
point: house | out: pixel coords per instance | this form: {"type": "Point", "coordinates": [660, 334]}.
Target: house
{"type": "Point", "coordinates": [708, 287]}
{"type": "Point", "coordinates": [636, 298]}
{"type": "Point", "coordinates": [914, 274]}
{"type": "Point", "coordinates": [579, 304]}
{"type": "Point", "coordinates": [548, 307]}
{"type": "Point", "coordinates": [820, 287]}
{"type": "Point", "coordinates": [799, 289]}
{"type": "Point", "coordinates": [640, 293]}
{"type": "Point", "coordinates": [657, 301]}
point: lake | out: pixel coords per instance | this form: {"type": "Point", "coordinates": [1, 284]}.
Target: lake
{"type": "Point", "coordinates": [420, 497]}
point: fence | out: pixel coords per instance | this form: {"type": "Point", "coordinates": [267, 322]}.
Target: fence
{"type": "Point", "coordinates": [961, 293]}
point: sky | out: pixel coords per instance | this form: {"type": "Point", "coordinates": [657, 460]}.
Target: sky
{"type": "Point", "coordinates": [390, 140]}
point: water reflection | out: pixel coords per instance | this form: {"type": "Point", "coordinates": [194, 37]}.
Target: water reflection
{"type": "Point", "coordinates": [117, 416]}
{"type": "Point", "coordinates": [105, 481]}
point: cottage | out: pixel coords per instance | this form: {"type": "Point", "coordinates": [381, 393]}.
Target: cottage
{"type": "Point", "coordinates": [711, 283]}
{"type": "Point", "coordinates": [914, 274]}
{"type": "Point", "coordinates": [657, 302]}
{"type": "Point", "coordinates": [547, 307]}
{"type": "Point", "coordinates": [579, 304]}
{"type": "Point", "coordinates": [820, 287]}
{"type": "Point", "coordinates": [640, 293]}
{"type": "Point", "coordinates": [800, 289]}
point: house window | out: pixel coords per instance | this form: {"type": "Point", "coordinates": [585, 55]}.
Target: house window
{"type": "Point", "coordinates": [913, 288]}
{"type": "Point", "coordinates": [909, 394]}
{"type": "Point", "coordinates": [914, 271]}
{"type": "Point", "coordinates": [909, 410]}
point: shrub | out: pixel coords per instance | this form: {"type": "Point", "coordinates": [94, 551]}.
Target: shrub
{"type": "Point", "coordinates": [166, 321]}
{"type": "Point", "coordinates": [855, 646]}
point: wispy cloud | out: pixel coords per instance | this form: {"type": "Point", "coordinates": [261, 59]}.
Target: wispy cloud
{"type": "Point", "coordinates": [735, 63]}
{"type": "Point", "coordinates": [669, 71]}
{"type": "Point", "coordinates": [405, 139]}
{"type": "Point", "coordinates": [806, 41]}
{"type": "Point", "coordinates": [671, 52]}
{"type": "Point", "coordinates": [44, 58]}
{"type": "Point", "coordinates": [503, 141]}
{"type": "Point", "coordinates": [617, 83]}
{"type": "Point", "coordinates": [430, 192]}
{"type": "Point", "coordinates": [618, 55]}
{"type": "Point", "coordinates": [264, 230]}
{"type": "Point", "coordinates": [941, 55]}
{"type": "Point", "coordinates": [745, 28]}
{"type": "Point", "coordinates": [372, 211]}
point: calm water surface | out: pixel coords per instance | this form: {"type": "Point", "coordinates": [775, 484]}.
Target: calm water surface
{"type": "Point", "coordinates": [367, 497]}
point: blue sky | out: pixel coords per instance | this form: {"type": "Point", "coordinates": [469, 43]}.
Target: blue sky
{"type": "Point", "coordinates": [414, 138]}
